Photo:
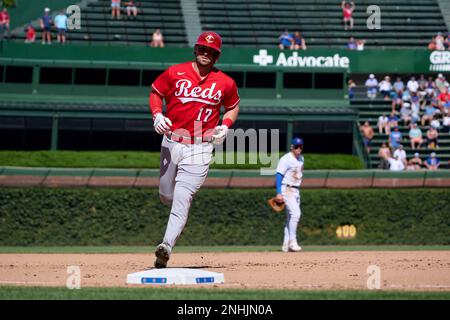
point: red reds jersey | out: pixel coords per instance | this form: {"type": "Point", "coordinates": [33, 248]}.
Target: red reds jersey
{"type": "Point", "coordinates": [191, 100]}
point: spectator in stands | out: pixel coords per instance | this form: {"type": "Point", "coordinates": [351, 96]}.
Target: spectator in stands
{"type": "Point", "coordinates": [397, 101]}
{"type": "Point", "coordinates": [385, 87]}
{"type": "Point", "coordinates": [115, 9]}
{"type": "Point", "coordinates": [447, 41]}
{"type": "Point", "coordinates": [432, 162]}
{"type": "Point", "coordinates": [400, 154]}
{"type": "Point", "coordinates": [412, 85]}
{"type": "Point", "coordinates": [360, 44]}
{"type": "Point", "coordinates": [422, 80]}
{"type": "Point", "coordinates": [446, 123]}
{"type": "Point", "coordinates": [61, 26]}
{"type": "Point", "coordinates": [395, 138]}
{"type": "Point", "coordinates": [396, 164]}
{"type": "Point", "coordinates": [432, 44]}
{"type": "Point", "coordinates": [439, 42]}
{"type": "Point", "coordinates": [384, 153]}
{"type": "Point", "coordinates": [441, 82]}
{"type": "Point", "coordinates": [444, 100]}
{"type": "Point", "coordinates": [4, 23]}
{"type": "Point", "coordinates": [131, 8]}
{"type": "Point", "coordinates": [367, 133]}
{"type": "Point", "coordinates": [432, 138]}
{"type": "Point", "coordinates": [351, 44]}
{"type": "Point", "coordinates": [422, 93]}
{"type": "Point", "coordinates": [414, 163]}
{"type": "Point", "coordinates": [415, 136]}
{"type": "Point", "coordinates": [286, 40]}
{"type": "Point", "coordinates": [157, 39]}
{"type": "Point", "coordinates": [372, 85]}
{"type": "Point", "coordinates": [399, 87]}
{"type": "Point", "coordinates": [393, 120]}
{"type": "Point", "coordinates": [347, 14]}
{"type": "Point", "coordinates": [428, 114]}
{"type": "Point", "coordinates": [46, 26]}
{"type": "Point", "coordinates": [299, 41]}
{"type": "Point", "coordinates": [351, 89]}
{"type": "Point", "coordinates": [435, 123]}
{"type": "Point", "coordinates": [30, 34]}
{"type": "Point", "coordinates": [405, 113]}
{"type": "Point", "coordinates": [383, 124]}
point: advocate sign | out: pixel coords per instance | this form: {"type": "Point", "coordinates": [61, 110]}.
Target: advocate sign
{"type": "Point", "coordinates": [294, 60]}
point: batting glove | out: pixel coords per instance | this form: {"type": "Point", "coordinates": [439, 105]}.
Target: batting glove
{"type": "Point", "coordinates": [161, 124]}
{"type": "Point", "coordinates": [221, 133]}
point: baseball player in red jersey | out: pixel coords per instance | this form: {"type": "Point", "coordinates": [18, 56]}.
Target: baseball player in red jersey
{"type": "Point", "coordinates": [194, 92]}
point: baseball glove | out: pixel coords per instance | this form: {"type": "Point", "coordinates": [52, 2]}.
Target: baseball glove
{"type": "Point", "coordinates": [275, 204]}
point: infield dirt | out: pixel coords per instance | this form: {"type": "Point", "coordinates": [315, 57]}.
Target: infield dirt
{"type": "Point", "coordinates": [400, 270]}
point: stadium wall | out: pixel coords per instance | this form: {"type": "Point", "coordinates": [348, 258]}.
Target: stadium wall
{"type": "Point", "coordinates": [44, 216]}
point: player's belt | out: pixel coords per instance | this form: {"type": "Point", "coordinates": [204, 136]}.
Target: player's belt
{"type": "Point", "coordinates": [187, 140]}
{"type": "Point", "coordinates": [291, 186]}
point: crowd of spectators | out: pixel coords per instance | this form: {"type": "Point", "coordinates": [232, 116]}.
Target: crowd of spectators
{"type": "Point", "coordinates": [130, 8]}
{"type": "Point", "coordinates": [422, 105]}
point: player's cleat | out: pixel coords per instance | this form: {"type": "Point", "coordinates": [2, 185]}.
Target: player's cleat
{"type": "Point", "coordinates": [285, 247]}
{"type": "Point", "coordinates": [294, 247]}
{"type": "Point", "coordinates": [162, 254]}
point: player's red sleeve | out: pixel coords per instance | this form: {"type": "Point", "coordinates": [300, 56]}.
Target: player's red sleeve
{"type": "Point", "coordinates": [156, 103]}
{"type": "Point", "coordinates": [162, 85]}
{"type": "Point", "coordinates": [232, 97]}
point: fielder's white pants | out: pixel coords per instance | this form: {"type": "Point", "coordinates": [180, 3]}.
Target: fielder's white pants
{"type": "Point", "coordinates": [292, 200]}
{"type": "Point", "coordinates": [183, 169]}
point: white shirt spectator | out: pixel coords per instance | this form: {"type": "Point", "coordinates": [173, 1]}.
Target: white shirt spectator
{"type": "Point", "coordinates": [446, 120]}
{"type": "Point", "coordinates": [435, 123]}
{"type": "Point", "coordinates": [385, 86]}
{"type": "Point", "coordinates": [382, 120]}
{"type": "Point", "coordinates": [412, 85]}
{"type": "Point", "coordinates": [401, 154]}
{"type": "Point", "coordinates": [371, 83]}
{"type": "Point", "coordinates": [396, 164]}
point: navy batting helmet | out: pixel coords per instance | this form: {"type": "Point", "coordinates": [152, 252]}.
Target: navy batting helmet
{"type": "Point", "coordinates": [297, 141]}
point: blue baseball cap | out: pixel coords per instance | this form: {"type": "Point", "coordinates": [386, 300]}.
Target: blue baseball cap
{"type": "Point", "coordinates": [297, 141]}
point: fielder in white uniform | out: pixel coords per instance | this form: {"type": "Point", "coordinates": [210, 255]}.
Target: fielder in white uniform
{"type": "Point", "coordinates": [288, 180]}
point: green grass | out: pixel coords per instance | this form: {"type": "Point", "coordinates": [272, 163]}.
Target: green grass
{"type": "Point", "coordinates": [16, 293]}
{"type": "Point", "coordinates": [149, 160]}
{"type": "Point", "coordinates": [194, 249]}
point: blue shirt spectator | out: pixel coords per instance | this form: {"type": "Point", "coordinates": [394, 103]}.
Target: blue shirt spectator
{"type": "Point", "coordinates": [286, 40]}
{"type": "Point", "coordinates": [351, 45]}
{"type": "Point", "coordinates": [61, 21]}
{"type": "Point", "coordinates": [398, 85]}
{"type": "Point", "coordinates": [395, 138]}
{"type": "Point", "coordinates": [432, 163]}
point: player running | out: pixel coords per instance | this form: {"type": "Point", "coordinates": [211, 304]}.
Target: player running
{"type": "Point", "coordinates": [288, 180]}
{"type": "Point", "coordinates": [194, 92]}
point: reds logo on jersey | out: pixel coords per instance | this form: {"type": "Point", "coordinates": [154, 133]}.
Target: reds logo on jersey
{"type": "Point", "coordinates": [185, 94]}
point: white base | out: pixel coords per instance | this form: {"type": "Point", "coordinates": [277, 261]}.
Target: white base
{"type": "Point", "coordinates": [175, 276]}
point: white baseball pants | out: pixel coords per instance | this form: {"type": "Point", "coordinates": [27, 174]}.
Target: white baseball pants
{"type": "Point", "coordinates": [292, 200]}
{"type": "Point", "coordinates": [183, 169]}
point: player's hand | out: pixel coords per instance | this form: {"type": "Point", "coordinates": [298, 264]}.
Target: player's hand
{"type": "Point", "coordinates": [280, 198]}
{"type": "Point", "coordinates": [161, 124]}
{"type": "Point", "coordinates": [221, 133]}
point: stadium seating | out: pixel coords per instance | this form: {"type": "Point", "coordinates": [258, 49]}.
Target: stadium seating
{"type": "Point", "coordinates": [371, 110]}
{"type": "Point", "coordinates": [98, 27]}
{"type": "Point", "coordinates": [258, 23]}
